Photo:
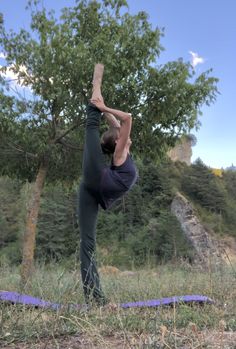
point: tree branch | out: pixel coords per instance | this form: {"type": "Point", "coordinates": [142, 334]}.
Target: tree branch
{"type": "Point", "coordinates": [65, 133]}
{"type": "Point", "coordinates": [20, 150]}
{"type": "Point", "coordinates": [69, 145]}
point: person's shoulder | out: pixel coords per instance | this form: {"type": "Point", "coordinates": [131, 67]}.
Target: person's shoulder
{"type": "Point", "coordinates": [120, 160]}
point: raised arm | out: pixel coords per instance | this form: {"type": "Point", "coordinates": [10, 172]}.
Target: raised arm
{"type": "Point", "coordinates": [112, 121]}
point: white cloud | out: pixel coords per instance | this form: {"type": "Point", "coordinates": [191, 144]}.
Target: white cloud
{"type": "Point", "coordinates": [196, 59]}
{"type": "Point", "coordinates": [9, 73]}
{"type": "Point", "coordinates": [13, 78]}
{"type": "Point", "coordinates": [2, 55]}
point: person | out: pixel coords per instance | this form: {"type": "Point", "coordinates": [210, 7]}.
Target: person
{"type": "Point", "coordinates": [101, 185]}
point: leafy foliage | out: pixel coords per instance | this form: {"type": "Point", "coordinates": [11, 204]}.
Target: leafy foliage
{"type": "Point", "coordinates": [139, 228]}
{"type": "Point", "coordinates": [9, 219]}
{"type": "Point", "coordinates": [55, 61]}
{"type": "Point", "coordinates": [204, 187]}
{"type": "Point", "coordinates": [58, 214]}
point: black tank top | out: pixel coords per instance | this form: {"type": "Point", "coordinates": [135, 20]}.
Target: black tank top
{"type": "Point", "coordinates": [116, 180]}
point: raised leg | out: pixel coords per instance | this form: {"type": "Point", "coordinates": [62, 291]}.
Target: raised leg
{"type": "Point", "coordinates": [97, 80]}
{"type": "Point", "coordinates": [94, 159]}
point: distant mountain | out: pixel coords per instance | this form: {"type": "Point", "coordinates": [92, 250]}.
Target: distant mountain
{"type": "Point", "coordinates": [231, 168]}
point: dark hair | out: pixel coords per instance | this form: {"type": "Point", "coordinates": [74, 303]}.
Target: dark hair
{"type": "Point", "coordinates": [109, 140]}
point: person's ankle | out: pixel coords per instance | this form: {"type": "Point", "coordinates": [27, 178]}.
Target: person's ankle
{"type": "Point", "coordinates": [101, 301]}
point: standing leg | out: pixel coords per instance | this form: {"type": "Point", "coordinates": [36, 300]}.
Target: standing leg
{"type": "Point", "coordinates": [93, 165]}
{"type": "Point", "coordinates": [88, 210]}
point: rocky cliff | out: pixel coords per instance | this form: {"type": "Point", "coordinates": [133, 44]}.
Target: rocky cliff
{"type": "Point", "coordinates": [207, 252]}
{"type": "Point", "coordinates": [182, 151]}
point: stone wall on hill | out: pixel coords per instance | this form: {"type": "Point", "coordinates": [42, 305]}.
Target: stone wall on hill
{"type": "Point", "coordinates": [182, 151]}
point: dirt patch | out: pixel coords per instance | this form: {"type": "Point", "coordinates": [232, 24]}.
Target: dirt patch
{"type": "Point", "coordinates": [70, 342]}
{"type": "Point", "coordinates": [219, 340]}
{"type": "Point", "coordinates": [180, 340]}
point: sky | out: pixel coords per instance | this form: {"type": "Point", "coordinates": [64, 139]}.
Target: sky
{"type": "Point", "coordinates": [202, 32]}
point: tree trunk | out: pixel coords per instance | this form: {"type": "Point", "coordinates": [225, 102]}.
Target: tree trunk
{"type": "Point", "coordinates": [31, 223]}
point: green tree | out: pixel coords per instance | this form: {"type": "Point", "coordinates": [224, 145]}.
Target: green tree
{"type": "Point", "coordinates": [230, 183]}
{"type": "Point", "coordinates": [229, 178]}
{"type": "Point", "coordinates": [9, 219]}
{"type": "Point", "coordinates": [204, 187]}
{"type": "Point", "coordinates": [9, 210]}
{"type": "Point", "coordinates": [161, 239]}
{"type": "Point", "coordinates": [55, 60]}
{"type": "Point", "coordinates": [57, 235]}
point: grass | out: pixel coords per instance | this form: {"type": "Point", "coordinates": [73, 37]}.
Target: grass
{"type": "Point", "coordinates": [182, 326]}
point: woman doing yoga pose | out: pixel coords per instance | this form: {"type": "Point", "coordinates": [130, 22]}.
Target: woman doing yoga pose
{"type": "Point", "coordinates": [101, 184]}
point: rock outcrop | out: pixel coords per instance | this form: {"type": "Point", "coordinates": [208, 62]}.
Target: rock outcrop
{"type": "Point", "coordinates": [182, 151]}
{"type": "Point", "coordinates": [206, 249]}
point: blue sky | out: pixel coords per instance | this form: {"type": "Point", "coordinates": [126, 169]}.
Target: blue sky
{"type": "Point", "coordinates": [205, 27]}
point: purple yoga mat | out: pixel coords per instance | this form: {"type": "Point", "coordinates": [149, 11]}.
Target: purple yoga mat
{"type": "Point", "coordinates": [168, 301]}
{"type": "Point", "coordinates": [17, 298]}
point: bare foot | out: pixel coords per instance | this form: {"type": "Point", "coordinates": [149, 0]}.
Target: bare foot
{"type": "Point", "coordinates": [111, 306]}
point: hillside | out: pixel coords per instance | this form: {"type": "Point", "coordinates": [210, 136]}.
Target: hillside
{"type": "Point", "coordinates": [141, 227]}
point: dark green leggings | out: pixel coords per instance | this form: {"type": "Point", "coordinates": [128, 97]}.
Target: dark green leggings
{"type": "Point", "coordinates": [93, 165]}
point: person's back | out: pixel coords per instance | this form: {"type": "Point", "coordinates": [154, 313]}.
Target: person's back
{"type": "Point", "coordinates": [116, 181]}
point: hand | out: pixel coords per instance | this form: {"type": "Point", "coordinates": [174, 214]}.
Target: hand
{"type": "Point", "coordinates": [99, 103]}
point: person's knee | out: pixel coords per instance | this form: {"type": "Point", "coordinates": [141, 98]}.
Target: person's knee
{"type": "Point", "coordinates": [88, 245]}
{"type": "Point", "coordinates": [91, 108]}
{"type": "Point", "coordinates": [93, 117]}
